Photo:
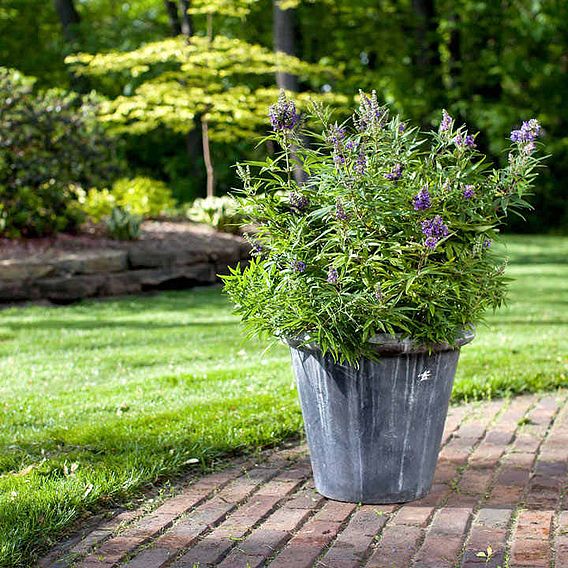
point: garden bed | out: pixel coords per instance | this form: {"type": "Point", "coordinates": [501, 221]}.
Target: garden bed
{"type": "Point", "coordinates": [71, 267]}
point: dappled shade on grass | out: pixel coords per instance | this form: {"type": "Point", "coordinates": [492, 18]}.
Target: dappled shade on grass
{"type": "Point", "coordinates": [101, 398]}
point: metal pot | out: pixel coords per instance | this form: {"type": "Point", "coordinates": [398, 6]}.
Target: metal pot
{"type": "Point", "coordinates": [374, 431]}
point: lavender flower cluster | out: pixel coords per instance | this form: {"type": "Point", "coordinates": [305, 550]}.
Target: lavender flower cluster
{"type": "Point", "coordinates": [447, 121]}
{"type": "Point", "coordinates": [529, 131]}
{"type": "Point", "coordinates": [298, 266]}
{"type": "Point", "coordinates": [298, 202]}
{"type": "Point", "coordinates": [335, 137]}
{"type": "Point", "coordinates": [434, 229]}
{"type": "Point", "coordinates": [465, 141]}
{"type": "Point", "coordinates": [469, 192]}
{"type": "Point", "coordinates": [361, 163]}
{"type": "Point", "coordinates": [283, 115]}
{"type": "Point", "coordinates": [332, 276]}
{"type": "Point", "coordinates": [422, 199]}
{"type": "Point", "coordinates": [340, 213]}
{"type": "Point", "coordinates": [370, 113]}
{"type": "Point", "coordinates": [396, 173]}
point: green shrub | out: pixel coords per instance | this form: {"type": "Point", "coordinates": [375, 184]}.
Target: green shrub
{"type": "Point", "coordinates": [218, 212]}
{"type": "Point", "coordinates": [123, 225]}
{"type": "Point", "coordinates": [392, 232]}
{"type": "Point", "coordinates": [51, 147]}
{"type": "Point", "coordinates": [98, 204]}
{"type": "Point", "coordinates": [143, 196]}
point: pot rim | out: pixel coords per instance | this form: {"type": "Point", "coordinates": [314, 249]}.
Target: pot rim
{"type": "Point", "coordinates": [385, 343]}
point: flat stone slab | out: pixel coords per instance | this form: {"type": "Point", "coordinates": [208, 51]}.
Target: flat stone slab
{"type": "Point", "coordinates": [68, 268]}
{"type": "Point", "coordinates": [493, 498]}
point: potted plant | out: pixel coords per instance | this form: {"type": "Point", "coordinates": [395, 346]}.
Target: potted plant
{"type": "Point", "coordinates": [375, 271]}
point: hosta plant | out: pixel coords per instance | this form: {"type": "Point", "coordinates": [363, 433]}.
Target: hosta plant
{"type": "Point", "coordinates": [392, 230]}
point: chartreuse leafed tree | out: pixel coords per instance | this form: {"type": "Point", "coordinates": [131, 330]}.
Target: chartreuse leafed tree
{"type": "Point", "coordinates": [222, 84]}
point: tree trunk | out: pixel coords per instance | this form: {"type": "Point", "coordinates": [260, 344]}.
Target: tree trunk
{"type": "Point", "coordinates": [454, 49]}
{"type": "Point", "coordinates": [284, 36]}
{"type": "Point", "coordinates": [427, 53]}
{"type": "Point", "coordinates": [173, 17]}
{"type": "Point", "coordinates": [68, 16]}
{"type": "Point", "coordinates": [207, 158]}
{"type": "Point", "coordinates": [186, 23]}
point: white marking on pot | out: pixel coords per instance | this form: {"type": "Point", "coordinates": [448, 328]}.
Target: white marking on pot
{"type": "Point", "coordinates": [425, 375]}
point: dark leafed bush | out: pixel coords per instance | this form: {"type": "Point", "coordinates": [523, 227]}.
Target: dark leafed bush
{"type": "Point", "coordinates": [51, 148]}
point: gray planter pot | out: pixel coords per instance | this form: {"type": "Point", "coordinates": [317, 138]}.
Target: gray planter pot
{"type": "Point", "coordinates": [374, 432]}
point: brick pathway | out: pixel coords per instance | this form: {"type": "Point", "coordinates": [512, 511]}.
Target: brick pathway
{"type": "Point", "coordinates": [499, 491]}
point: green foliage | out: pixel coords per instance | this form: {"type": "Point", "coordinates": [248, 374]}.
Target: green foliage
{"type": "Point", "coordinates": [97, 203]}
{"type": "Point", "coordinates": [143, 196]}
{"type": "Point", "coordinates": [178, 82]}
{"type": "Point", "coordinates": [51, 147]}
{"type": "Point", "coordinates": [390, 234]}
{"type": "Point", "coordinates": [218, 212]}
{"type": "Point", "coordinates": [123, 225]}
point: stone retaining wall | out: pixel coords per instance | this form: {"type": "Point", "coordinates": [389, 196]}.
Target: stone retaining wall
{"type": "Point", "coordinates": [179, 257]}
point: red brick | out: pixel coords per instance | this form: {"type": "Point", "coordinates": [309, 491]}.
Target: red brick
{"type": "Point", "coordinates": [397, 545]}
{"type": "Point", "coordinates": [259, 546]}
{"type": "Point", "coordinates": [533, 553]}
{"type": "Point", "coordinates": [411, 515]}
{"type": "Point", "coordinates": [488, 529]}
{"type": "Point", "coordinates": [351, 546]}
{"type": "Point", "coordinates": [443, 543]}
{"type": "Point", "coordinates": [534, 525]}
{"type": "Point", "coordinates": [305, 547]}
{"type": "Point", "coordinates": [335, 511]}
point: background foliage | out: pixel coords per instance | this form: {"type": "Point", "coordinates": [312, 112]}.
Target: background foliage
{"type": "Point", "coordinates": [490, 64]}
{"type": "Point", "coordinates": [51, 147]}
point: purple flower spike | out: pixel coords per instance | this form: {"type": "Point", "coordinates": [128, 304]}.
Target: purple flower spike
{"type": "Point", "coordinates": [470, 141]}
{"type": "Point", "coordinates": [434, 229]}
{"type": "Point", "coordinates": [529, 132]}
{"type": "Point", "coordinates": [335, 135]}
{"type": "Point", "coordinates": [396, 173]}
{"type": "Point", "coordinates": [468, 191]}
{"type": "Point", "coordinates": [298, 266]}
{"type": "Point", "coordinates": [339, 159]}
{"type": "Point", "coordinates": [447, 121]}
{"type": "Point", "coordinates": [370, 113]}
{"type": "Point", "coordinates": [431, 242]}
{"type": "Point", "coordinates": [351, 144]}
{"type": "Point", "coordinates": [486, 243]}
{"type": "Point", "coordinates": [283, 115]}
{"type": "Point", "coordinates": [340, 213]}
{"type": "Point", "coordinates": [361, 163]}
{"type": "Point", "coordinates": [422, 199]}
{"type": "Point", "coordinates": [298, 202]}
{"type": "Point", "coordinates": [332, 276]}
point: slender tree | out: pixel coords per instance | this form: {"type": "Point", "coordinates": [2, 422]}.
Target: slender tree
{"type": "Point", "coordinates": [186, 22]}
{"type": "Point", "coordinates": [68, 16]}
{"type": "Point", "coordinates": [173, 17]}
{"type": "Point", "coordinates": [284, 36]}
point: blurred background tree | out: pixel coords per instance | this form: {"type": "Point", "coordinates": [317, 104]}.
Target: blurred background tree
{"type": "Point", "coordinates": [489, 63]}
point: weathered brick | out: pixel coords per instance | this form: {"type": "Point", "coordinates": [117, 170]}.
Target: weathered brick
{"type": "Point", "coordinates": [352, 545]}
{"type": "Point", "coordinates": [411, 515]}
{"type": "Point", "coordinates": [259, 546]}
{"type": "Point", "coordinates": [444, 538]}
{"type": "Point", "coordinates": [396, 547]}
{"type": "Point", "coordinates": [304, 548]}
{"type": "Point", "coordinates": [533, 553]}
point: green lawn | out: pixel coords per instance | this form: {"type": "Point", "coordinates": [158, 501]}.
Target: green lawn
{"type": "Point", "coordinates": [101, 398]}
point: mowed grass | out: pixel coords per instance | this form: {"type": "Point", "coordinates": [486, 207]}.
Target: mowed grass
{"type": "Point", "coordinates": [98, 400]}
